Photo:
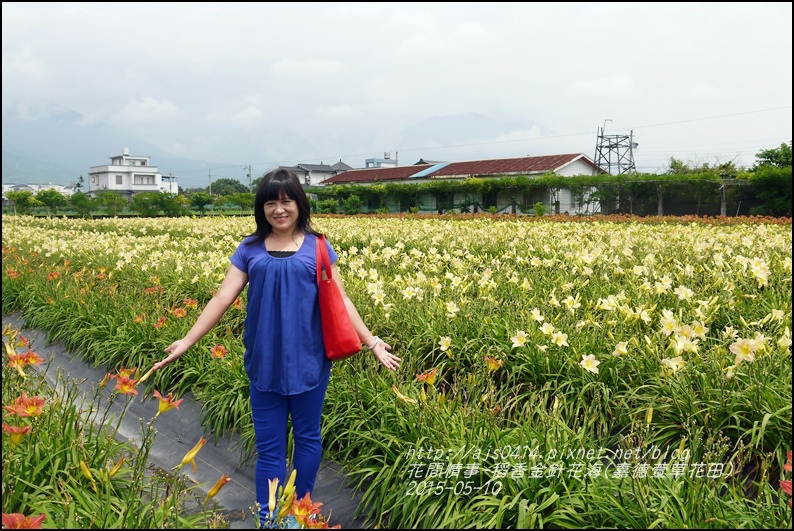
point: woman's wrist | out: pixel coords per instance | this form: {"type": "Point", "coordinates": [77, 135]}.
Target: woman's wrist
{"type": "Point", "coordinates": [374, 343]}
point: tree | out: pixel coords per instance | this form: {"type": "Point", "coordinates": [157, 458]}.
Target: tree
{"type": "Point", "coordinates": [82, 203]}
{"type": "Point", "coordinates": [172, 204]}
{"type": "Point", "coordinates": [111, 200]}
{"type": "Point", "coordinates": [351, 205]}
{"type": "Point", "coordinates": [228, 187]}
{"type": "Point", "coordinates": [23, 200]}
{"type": "Point", "coordinates": [221, 200]}
{"type": "Point", "coordinates": [51, 199]}
{"type": "Point", "coordinates": [773, 186]}
{"type": "Point", "coordinates": [778, 157]}
{"type": "Point", "coordinates": [243, 199]}
{"type": "Point", "coordinates": [79, 185]}
{"type": "Point", "coordinates": [146, 203]}
{"type": "Point", "coordinates": [200, 200]}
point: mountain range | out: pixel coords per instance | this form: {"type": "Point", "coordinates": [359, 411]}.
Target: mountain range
{"type": "Point", "coordinates": [58, 146]}
{"type": "Point", "coordinates": [53, 144]}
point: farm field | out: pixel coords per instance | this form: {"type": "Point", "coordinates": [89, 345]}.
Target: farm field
{"type": "Point", "coordinates": [557, 372]}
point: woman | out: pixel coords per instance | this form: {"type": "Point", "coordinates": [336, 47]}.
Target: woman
{"type": "Point", "coordinates": [284, 354]}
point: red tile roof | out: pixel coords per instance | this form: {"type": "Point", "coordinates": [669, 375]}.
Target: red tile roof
{"type": "Point", "coordinates": [368, 175]}
{"type": "Point", "coordinates": [474, 168]}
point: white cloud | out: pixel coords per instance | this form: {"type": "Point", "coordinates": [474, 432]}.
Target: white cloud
{"type": "Point", "coordinates": [22, 62]}
{"type": "Point", "coordinates": [312, 68]}
{"type": "Point", "coordinates": [250, 116]}
{"type": "Point", "coordinates": [710, 93]}
{"type": "Point", "coordinates": [338, 112]}
{"type": "Point", "coordinates": [350, 77]}
{"type": "Point", "coordinates": [147, 110]}
{"type": "Point", "coordinates": [618, 85]}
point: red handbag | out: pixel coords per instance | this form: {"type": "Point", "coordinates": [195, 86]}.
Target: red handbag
{"type": "Point", "coordinates": [339, 335]}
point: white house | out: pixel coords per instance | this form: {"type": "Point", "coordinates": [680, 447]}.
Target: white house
{"type": "Point", "coordinates": [129, 175]}
{"type": "Point", "coordinates": [313, 174]}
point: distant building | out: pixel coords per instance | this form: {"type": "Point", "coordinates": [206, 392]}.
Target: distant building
{"type": "Point", "coordinates": [129, 175]}
{"type": "Point", "coordinates": [385, 162]}
{"type": "Point", "coordinates": [35, 188]}
{"type": "Point", "coordinates": [557, 201]}
{"type": "Point", "coordinates": [314, 174]}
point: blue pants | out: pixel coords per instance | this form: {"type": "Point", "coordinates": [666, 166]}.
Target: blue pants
{"type": "Point", "coordinates": [270, 412]}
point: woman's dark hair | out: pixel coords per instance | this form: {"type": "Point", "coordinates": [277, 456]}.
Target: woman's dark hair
{"type": "Point", "coordinates": [275, 185]}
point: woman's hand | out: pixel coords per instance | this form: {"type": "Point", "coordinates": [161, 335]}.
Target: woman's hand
{"type": "Point", "coordinates": [175, 349]}
{"type": "Point", "coordinates": [386, 358]}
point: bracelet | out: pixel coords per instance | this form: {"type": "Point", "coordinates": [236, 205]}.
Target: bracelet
{"type": "Point", "coordinates": [374, 344]}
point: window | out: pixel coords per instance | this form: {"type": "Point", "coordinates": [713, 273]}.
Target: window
{"type": "Point", "coordinates": [143, 179]}
{"type": "Point", "coordinates": [119, 179]}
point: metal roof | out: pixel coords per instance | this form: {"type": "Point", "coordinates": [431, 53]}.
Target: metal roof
{"type": "Point", "coordinates": [451, 170]}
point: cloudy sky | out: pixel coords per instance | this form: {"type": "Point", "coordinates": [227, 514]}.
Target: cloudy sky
{"type": "Point", "coordinates": [273, 84]}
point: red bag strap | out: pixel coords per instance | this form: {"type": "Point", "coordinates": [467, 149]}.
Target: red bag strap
{"type": "Point", "coordinates": [323, 260]}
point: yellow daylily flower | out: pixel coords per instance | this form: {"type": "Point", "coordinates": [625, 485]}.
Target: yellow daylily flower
{"type": "Point", "coordinates": [406, 399]}
{"type": "Point", "coordinates": [190, 457]}
{"type": "Point", "coordinates": [224, 479]}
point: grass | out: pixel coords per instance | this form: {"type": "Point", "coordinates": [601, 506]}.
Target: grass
{"type": "Point", "coordinates": [598, 449]}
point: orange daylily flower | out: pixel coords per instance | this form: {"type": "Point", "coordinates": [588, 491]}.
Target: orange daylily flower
{"type": "Point", "coordinates": [31, 358]}
{"type": "Point", "coordinates": [127, 373]}
{"type": "Point", "coordinates": [166, 403]}
{"type": "Point", "coordinates": [17, 361]}
{"type": "Point", "coordinates": [190, 457]}
{"type": "Point", "coordinates": [12, 273]}
{"type": "Point", "coordinates": [25, 406]}
{"type": "Point", "coordinates": [318, 521]}
{"type": "Point", "coordinates": [785, 484]}
{"type": "Point", "coordinates": [126, 385]}
{"type": "Point", "coordinates": [190, 303]}
{"type": "Point", "coordinates": [139, 318]}
{"type": "Point", "coordinates": [20, 521]}
{"type": "Point", "coordinates": [53, 275]}
{"type": "Point", "coordinates": [218, 351]}
{"type": "Point", "coordinates": [24, 342]}
{"type": "Point", "coordinates": [16, 433]}
{"type": "Point", "coordinates": [160, 322]}
{"type": "Point", "coordinates": [180, 312]}
{"type": "Point", "coordinates": [429, 377]}
{"type": "Point", "coordinates": [493, 363]}
{"type": "Point", "coordinates": [238, 303]}
{"type": "Point", "coordinates": [305, 508]}
{"type": "Point", "coordinates": [217, 487]}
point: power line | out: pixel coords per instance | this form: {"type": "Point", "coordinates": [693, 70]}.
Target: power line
{"type": "Point", "coordinates": [495, 142]}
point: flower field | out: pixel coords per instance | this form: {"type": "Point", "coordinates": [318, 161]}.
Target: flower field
{"type": "Point", "coordinates": [605, 372]}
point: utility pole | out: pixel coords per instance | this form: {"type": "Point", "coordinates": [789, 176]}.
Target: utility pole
{"type": "Point", "coordinates": [250, 182]}
{"type": "Point", "coordinates": [212, 202]}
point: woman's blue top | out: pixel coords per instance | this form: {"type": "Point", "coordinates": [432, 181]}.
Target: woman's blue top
{"type": "Point", "coordinates": [283, 338]}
